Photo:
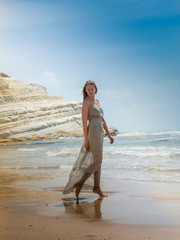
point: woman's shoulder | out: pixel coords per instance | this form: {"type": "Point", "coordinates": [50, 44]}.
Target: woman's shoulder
{"type": "Point", "coordinates": [86, 103]}
{"type": "Point", "coordinates": [97, 102]}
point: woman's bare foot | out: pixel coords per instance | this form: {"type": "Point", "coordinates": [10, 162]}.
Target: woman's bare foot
{"type": "Point", "coordinates": [78, 189]}
{"type": "Point", "coordinates": [98, 191]}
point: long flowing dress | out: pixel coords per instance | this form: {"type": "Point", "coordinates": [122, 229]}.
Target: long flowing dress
{"type": "Point", "coordinates": [89, 161]}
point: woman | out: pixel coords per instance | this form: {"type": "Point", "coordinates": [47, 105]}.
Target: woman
{"type": "Point", "coordinates": [89, 160]}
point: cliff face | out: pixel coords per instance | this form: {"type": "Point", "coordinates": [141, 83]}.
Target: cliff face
{"type": "Point", "coordinates": [12, 90]}
{"type": "Point", "coordinates": [28, 113]}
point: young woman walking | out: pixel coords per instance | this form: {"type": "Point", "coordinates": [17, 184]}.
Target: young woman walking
{"type": "Point", "coordinates": [88, 163]}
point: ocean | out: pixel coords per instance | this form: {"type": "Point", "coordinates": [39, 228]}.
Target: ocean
{"type": "Point", "coordinates": [140, 156]}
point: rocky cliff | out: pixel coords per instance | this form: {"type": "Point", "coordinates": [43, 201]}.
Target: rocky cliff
{"type": "Point", "coordinates": [28, 113]}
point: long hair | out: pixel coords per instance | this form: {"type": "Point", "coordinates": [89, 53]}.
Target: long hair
{"type": "Point", "coordinates": [84, 88]}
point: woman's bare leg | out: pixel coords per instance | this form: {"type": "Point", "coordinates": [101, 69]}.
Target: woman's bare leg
{"type": "Point", "coordinates": [97, 188]}
{"type": "Point", "coordinates": [78, 186]}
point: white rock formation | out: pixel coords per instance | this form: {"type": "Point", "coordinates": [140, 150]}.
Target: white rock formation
{"type": "Point", "coordinates": [28, 113]}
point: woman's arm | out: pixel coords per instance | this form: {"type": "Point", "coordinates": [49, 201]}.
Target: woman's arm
{"type": "Point", "coordinates": [107, 131]}
{"type": "Point", "coordinates": [85, 109]}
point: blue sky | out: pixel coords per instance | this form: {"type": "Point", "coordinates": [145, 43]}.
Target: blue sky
{"type": "Point", "coordinates": [130, 48]}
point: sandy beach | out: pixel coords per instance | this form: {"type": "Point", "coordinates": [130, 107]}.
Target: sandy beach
{"type": "Point", "coordinates": [33, 207]}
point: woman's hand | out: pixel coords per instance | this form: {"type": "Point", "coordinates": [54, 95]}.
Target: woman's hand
{"type": "Point", "coordinates": [111, 139]}
{"type": "Point", "coordinates": [86, 144]}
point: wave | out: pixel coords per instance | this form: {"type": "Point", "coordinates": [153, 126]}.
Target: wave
{"type": "Point", "coordinates": [142, 152]}
{"type": "Point", "coordinates": [65, 152]}
{"type": "Point", "coordinates": [161, 169]}
{"type": "Point", "coordinates": [151, 180]}
{"type": "Point", "coordinates": [121, 151]}
{"type": "Point", "coordinates": [120, 154]}
{"type": "Point", "coordinates": [138, 133]}
{"type": "Point", "coordinates": [29, 143]}
{"type": "Point", "coordinates": [29, 149]}
{"type": "Point", "coordinates": [165, 135]}
{"type": "Point", "coordinates": [65, 167]}
{"type": "Point", "coordinates": [162, 140]}
{"type": "Point", "coordinates": [142, 168]}
{"type": "Point", "coordinates": [105, 166]}
{"type": "Point", "coordinates": [150, 154]}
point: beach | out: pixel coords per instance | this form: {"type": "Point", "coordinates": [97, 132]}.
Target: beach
{"type": "Point", "coordinates": [28, 211]}
{"type": "Point", "coordinates": [143, 198]}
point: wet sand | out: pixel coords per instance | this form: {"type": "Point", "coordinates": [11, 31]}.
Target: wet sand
{"type": "Point", "coordinates": [33, 207]}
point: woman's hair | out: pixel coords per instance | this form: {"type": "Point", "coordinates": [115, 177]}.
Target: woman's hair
{"type": "Point", "coordinates": [84, 88]}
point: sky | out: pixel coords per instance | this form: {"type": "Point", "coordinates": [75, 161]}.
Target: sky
{"type": "Point", "coordinates": [130, 48]}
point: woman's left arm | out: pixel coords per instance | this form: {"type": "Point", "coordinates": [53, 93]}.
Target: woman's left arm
{"type": "Point", "coordinates": [107, 131]}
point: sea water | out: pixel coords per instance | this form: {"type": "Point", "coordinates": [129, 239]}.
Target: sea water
{"type": "Point", "coordinates": [142, 156]}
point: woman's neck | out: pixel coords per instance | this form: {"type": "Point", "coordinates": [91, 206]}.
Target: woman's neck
{"type": "Point", "coordinates": [92, 98]}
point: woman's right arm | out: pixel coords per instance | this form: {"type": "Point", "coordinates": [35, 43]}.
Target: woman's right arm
{"type": "Point", "coordinates": [85, 109]}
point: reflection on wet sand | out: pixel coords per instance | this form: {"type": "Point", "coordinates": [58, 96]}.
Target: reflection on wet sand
{"type": "Point", "coordinates": [84, 206]}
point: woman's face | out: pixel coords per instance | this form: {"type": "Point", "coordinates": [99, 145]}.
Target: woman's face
{"type": "Point", "coordinates": [91, 90]}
